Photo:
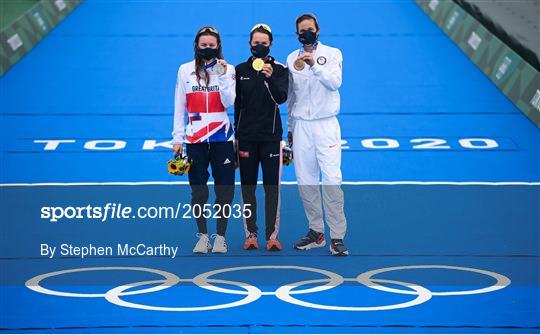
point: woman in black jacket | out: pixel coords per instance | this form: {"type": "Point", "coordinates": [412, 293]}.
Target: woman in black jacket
{"type": "Point", "coordinates": [261, 86]}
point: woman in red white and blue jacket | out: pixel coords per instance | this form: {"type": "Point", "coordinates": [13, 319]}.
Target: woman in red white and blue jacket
{"type": "Point", "coordinates": [205, 87]}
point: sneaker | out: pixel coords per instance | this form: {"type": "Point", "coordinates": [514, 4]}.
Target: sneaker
{"type": "Point", "coordinates": [220, 246]}
{"type": "Point", "coordinates": [203, 245]}
{"type": "Point", "coordinates": [313, 239]}
{"type": "Point", "coordinates": [251, 242]}
{"type": "Point", "coordinates": [337, 248]}
{"type": "Point", "coordinates": [273, 245]}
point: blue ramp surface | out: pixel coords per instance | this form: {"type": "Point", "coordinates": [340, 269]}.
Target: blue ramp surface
{"type": "Point", "coordinates": [93, 103]}
{"type": "Point", "coordinates": [108, 73]}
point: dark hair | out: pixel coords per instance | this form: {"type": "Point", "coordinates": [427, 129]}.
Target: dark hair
{"type": "Point", "coordinates": [304, 17]}
{"type": "Point", "coordinates": [260, 29]}
{"type": "Point", "coordinates": [199, 61]}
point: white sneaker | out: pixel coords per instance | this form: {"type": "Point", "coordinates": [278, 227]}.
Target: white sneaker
{"type": "Point", "coordinates": [203, 245]}
{"type": "Point", "coordinates": [219, 244]}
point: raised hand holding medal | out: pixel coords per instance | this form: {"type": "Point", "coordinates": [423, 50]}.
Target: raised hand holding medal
{"type": "Point", "coordinates": [220, 68]}
{"type": "Point", "coordinates": [267, 70]}
{"type": "Point", "coordinates": [308, 58]}
{"type": "Point", "coordinates": [257, 64]}
{"type": "Point", "coordinates": [299, 64]}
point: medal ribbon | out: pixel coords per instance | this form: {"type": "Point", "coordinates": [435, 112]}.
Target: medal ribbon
{"type": "Point", "coordinates": [206, 66]}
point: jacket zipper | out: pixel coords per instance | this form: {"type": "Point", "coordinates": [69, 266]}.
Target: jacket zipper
{"type": "Point", "coordinates": [309, 89]}
{"type": "Point", "coordinates": [207, 127]}
{"type": "Point", "coordinates": [274, 126]}
{"type": "Point", "coordinates": [309, 105]}
{"type": "Point", "coordinates": [275, 108]}
{"type": "Point", "coordinates": [240, 114]}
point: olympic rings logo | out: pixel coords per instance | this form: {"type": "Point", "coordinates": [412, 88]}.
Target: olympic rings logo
{"type": "Point", "coordinates": [285, 293]}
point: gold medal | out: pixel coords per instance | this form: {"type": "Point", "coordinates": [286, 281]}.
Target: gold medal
{"type": "Point", "coordinates": [257, 64]}
{"type": "Point", "coordinates": [299, 64]}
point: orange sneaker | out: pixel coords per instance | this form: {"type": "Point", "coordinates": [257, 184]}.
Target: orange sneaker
{"type": "Point", "coordinates": [251, 242]}
{"type": "Point", "coordinates": [273, 245]}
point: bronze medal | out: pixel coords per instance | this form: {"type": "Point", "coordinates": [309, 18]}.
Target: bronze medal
{"type": "Point", "coordinates": [299, 65]}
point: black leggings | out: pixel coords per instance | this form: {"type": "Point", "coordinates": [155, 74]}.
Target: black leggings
{"type": "Point", "coordinates": [268, 155]}
{"type": "Point", "coordinates": [220, 156]}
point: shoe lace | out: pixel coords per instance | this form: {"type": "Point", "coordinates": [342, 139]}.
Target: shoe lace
{"type": "Point", "coordinates": [312, 235]}
{"type": "Point", "coordinates": [214, 236]}
{"type": "Point", "coordinates": [338, 243]}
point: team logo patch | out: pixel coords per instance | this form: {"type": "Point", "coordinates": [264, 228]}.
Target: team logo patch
{"type": "Point", "coordinates": [194, 117]}
{"type": "Point", "coordinates": [243, 154]}
{"type": "Point", "coordinates": [321, 60]}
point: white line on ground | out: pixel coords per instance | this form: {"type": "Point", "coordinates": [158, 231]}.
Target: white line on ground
{"type": "Point", "coordinates": [459, 183]}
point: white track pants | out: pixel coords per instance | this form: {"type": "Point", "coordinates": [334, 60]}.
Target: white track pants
{"type": "Point", "coordinates": [317, 151]}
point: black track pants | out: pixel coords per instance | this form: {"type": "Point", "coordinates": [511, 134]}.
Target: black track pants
{"type": "Point", "coordinates": [220, 156]}
{"type": "Point", "coordinates": [269, 156]}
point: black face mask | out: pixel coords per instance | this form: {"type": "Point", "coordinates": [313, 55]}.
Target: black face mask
{"type": "Point", "coordinates": [260, 51]}
{"type": "Point", "coordinates": [307, 37]}
{"type": "Point", "coordinates": [207, 53]}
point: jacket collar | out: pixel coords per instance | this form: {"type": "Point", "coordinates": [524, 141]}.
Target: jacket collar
{"type": "Point", "coordinates": [317, 46]}
{"type": "Point", "coordinates": [266, 59]}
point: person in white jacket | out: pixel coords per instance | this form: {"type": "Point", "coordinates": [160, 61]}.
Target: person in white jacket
{"type": "Point", "coordinates": [205, 87]}
{"type": "Point", "coordinates": [315, 135]}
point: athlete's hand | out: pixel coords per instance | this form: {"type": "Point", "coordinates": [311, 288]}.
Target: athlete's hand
{"type": "Point", "coordinates": [177, 149]}
{"type": "Point", "coordinates": [308, 58]}
{"type": "Point", "coordinates": [224, 63]}
{"type": "Point", "coordinates": [267, 70]}
{"type": "Point", "coordinates": [289, 138]}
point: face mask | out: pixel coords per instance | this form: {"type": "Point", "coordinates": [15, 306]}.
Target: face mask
{"type": "Point", "coordinates": [307, 37]}
{"type": "Point", "coordinates": [260, 51]}
{"type": "Point", "coordinates": [207, 53]}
